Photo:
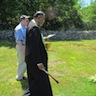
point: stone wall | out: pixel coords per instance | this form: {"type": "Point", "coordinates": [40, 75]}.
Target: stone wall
{"type": "Point", "coordinates": [7, 35]}
{"type": "Point", "coordinates": [60, 35]}
{"type": "Point", "coordinates": [71, 35]}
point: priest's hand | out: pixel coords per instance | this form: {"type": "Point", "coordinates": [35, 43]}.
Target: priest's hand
{"type": "Point", "coordinates": [41, 66]}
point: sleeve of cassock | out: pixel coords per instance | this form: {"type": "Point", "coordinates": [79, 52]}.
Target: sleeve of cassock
{"type": "Point", "coordinates": [35, 42]}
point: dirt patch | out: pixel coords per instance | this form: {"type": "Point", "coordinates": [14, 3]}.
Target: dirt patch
{"type": "Point", "coordinates": [78, 44]}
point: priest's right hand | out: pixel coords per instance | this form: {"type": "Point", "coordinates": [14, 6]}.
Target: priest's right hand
{"type": "Point", "coordinates": [41, 66]}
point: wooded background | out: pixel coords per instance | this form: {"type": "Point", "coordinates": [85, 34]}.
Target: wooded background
{"type": "Point", "coordinates": [70, 14]}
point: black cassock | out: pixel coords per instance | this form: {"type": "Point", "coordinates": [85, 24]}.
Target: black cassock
{"type": "Point", "coordinates": [39, 84]}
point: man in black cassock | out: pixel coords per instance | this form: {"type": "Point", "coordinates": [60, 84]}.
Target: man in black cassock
{"type": "Point", "coordinates": [36, 59]}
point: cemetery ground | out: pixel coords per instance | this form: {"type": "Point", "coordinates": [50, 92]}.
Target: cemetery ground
{"type": "Point", "coordinates": [72, 63]}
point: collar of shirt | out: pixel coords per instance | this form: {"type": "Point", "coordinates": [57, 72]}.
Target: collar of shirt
{"type": "Point", "coordinates": [23, 26]}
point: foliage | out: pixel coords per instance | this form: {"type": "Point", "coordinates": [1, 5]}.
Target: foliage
{"type": "Point", "coordinates": [89, 16]}
{"type": "Point", "coordinates": [67, 16]}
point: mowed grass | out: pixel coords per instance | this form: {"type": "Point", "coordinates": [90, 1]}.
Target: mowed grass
{"type": "Point", "coordinates": [70, 62]}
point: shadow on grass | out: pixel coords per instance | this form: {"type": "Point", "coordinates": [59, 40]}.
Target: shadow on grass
{"type": "Point", "coordinates": [5, 43]}
{"type": "Point", "coordinates": [24, 84]}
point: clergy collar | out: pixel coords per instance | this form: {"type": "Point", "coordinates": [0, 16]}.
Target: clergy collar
{"type": "Point", "coordinates": [34, 23]}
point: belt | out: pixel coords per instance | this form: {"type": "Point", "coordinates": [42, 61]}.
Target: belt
{"type": "Point", "coordinates": [22, 44]}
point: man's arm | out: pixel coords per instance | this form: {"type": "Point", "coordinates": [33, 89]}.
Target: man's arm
{"type": "Point", "coordinates": [19, 38]}
{"type": "Point", "coordinates": [35, 47]}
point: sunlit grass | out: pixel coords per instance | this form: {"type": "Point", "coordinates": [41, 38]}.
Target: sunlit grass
{"type": "Point", "coordinates": [71, 62]}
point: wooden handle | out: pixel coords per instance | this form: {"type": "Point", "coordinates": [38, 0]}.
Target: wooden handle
{"type": "Point", "coordinates": [53, 78]}
{"type": "Point", "coordinates": [50, 76]}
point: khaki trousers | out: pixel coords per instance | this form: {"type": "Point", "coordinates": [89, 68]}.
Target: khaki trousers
{"type": "Point", "coordinates": [21, 63]}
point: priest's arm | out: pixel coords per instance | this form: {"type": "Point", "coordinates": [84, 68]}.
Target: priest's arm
{"type": "Point", "coordinates": [35, 41]}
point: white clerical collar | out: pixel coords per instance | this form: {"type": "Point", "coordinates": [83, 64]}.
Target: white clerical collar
{"type": "Point", "coordinates": [34, 23]}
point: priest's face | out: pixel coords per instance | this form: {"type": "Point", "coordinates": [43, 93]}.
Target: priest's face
{"type": "Point", "coordinates": [41, 20]}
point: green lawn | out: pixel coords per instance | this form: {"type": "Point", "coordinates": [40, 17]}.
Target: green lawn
{"type": "Point", "coordinates": [71, 62]}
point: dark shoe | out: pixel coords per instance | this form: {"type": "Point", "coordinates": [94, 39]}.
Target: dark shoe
{"type": "Point", "coordinates": [24, 78]}
{"type": "Point", "coordinates": [27, 93]}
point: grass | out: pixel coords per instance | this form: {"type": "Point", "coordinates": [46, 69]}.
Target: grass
{"type": "Point", "coordinates": [71, 62]}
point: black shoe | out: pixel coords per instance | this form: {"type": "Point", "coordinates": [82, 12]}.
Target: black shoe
{"type": "Point", "coordinates": [27, 93]}
{"type": "Point", "coordinates": [24, 78]}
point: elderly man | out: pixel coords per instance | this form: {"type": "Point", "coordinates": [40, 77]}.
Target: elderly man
{"type": "Point", "coordinates": [36, 59]}
{"type": "Point", "coordinates": [20, 36]}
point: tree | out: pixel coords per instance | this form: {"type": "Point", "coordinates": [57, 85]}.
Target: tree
{"type": "Point", "coordinates": [66, 14]}
{"type": "Point", "coordinates": [89, 16]}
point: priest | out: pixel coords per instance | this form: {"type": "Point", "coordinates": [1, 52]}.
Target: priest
{"type": "Point", "coordinates": [37, 59]}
